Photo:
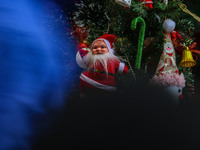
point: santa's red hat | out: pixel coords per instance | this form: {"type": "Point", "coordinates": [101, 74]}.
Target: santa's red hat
{"type": "Point", "coordinates": [108, 39]}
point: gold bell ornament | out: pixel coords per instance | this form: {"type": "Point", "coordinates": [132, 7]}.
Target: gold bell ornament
{"type": "Point", "coordinates": [187, 59]}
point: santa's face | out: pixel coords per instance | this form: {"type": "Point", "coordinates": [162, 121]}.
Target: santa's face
{"type": "Point", "coordinates": [168, 48]}
{"type": "Point", "coordinates": [99, 47]}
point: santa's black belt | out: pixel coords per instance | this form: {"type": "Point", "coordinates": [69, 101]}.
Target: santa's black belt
{"type": "Point", "coordinates": [100, 71]}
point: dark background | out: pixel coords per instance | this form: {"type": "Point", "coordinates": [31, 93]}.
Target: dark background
{"type": "Point", "coordinates": [192, 5]}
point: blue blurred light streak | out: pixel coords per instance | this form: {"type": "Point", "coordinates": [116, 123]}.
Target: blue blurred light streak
{"type": "Point", "coordinates": [37, 69]}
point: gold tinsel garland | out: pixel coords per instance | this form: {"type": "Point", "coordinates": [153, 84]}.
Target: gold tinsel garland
{"type": "Point", "coordinates": [184, 8]}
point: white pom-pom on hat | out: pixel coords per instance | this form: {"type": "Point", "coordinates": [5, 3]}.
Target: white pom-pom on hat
{"type": "Point", "coordinates": [169, 25]}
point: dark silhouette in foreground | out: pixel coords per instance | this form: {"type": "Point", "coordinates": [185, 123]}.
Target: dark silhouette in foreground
{"type": "Point", "coordinates": [140, 118]}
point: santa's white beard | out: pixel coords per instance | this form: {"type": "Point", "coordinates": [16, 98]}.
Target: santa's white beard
{"type": "Point", "coordinates": [93, 61]}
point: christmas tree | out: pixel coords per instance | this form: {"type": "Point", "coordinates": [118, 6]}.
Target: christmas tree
{"type": "Point", "coordinates": [97, 18]}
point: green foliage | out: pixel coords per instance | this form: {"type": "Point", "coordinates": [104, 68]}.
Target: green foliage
{"type": "Point", "coordinates": [109, 17]}
{"type": "Point", "coordinates": [186, 27]}
{"type": "Point", "coordinates": [90, 11]}
{"type": "Point", "coordinates": [189, 77]}
{"type": "Point", "coordinates": [139, 9]}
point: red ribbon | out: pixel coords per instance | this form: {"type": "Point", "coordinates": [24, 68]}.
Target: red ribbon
{"type": "Point", "coordinates": [175, 35]}
{"type": "Point", "coordinates": [195, 52]}
{"type": "Point", "coordinates": [80, 32]}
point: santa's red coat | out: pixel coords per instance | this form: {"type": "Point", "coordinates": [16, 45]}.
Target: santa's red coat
{"type": "Point", "coordinates": [98, 77]}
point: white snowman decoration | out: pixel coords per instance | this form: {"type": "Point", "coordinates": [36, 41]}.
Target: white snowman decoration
{"type": "Point", "coordinates": [176, 92]}
{"type": "Point", "coordinates": [167, 74]}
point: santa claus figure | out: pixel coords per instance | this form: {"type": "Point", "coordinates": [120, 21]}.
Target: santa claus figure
{"type": "Point", "coordinates": [101, 65]}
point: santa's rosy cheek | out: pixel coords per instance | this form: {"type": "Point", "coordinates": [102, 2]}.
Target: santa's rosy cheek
{"type": "Point", "coordinates": [94, 51]}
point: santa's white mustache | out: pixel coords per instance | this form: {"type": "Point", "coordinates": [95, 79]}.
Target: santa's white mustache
{"type": "Point", "coordinates": [93, 61]}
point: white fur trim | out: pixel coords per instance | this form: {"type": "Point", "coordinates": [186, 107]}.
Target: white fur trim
{"type": "Point", "coordinates": [121, 67]}
{"type": "Point", "coordinates": [125, 3]}
{"type": "Point", "coordinates": [169, 79]}
{"type": "Point", "coordinates": [96, 84]}
{"type": "Point", "coordinates": [166, 2]}
{"type": "Point", "coordinates": [147, 2]}
{"type": "Point", "coordinates": [79, 60]}
{"type": "Point", "coordinates": [109, 46]}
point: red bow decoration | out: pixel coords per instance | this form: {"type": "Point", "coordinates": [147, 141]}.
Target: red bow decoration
{"type": "Point", "coordinates": [147, 3]}
{"type": "Point", "coordinates": [195, 52]}
{"type": "Point", "coordinates": [175, 35]}
{"type": "Point", "coordinates": [80, 33]}
{"type": "Point", "coordinates": [176, 39]}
